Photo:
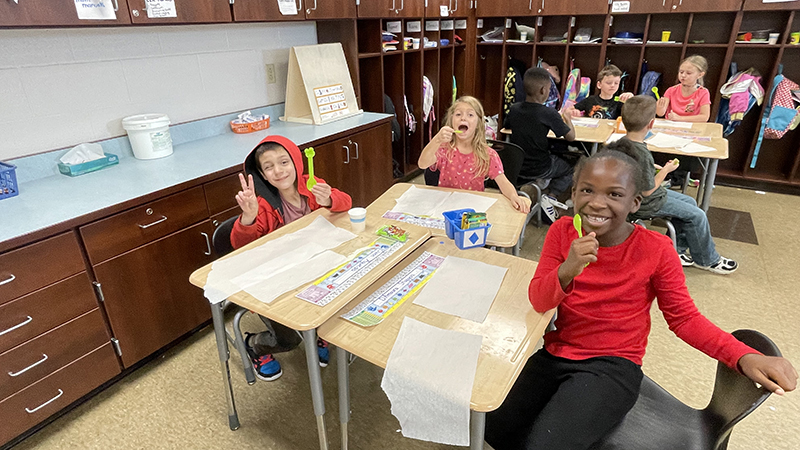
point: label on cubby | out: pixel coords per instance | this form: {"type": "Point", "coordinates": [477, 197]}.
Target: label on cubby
{"type": "Point", "coordinates": [447, 25]}
{"type": "Point", "coordinates": [414, 26]}
{"type": "Point", "coordinates": [394, 27]}
{"type": "Point", "coordinates": [620, 7]}
{"type": "Point", "coordinates": [431, 25]}
{"type": "Point", "coordinates": [461, 24]}
{"type": "Point", "coordinates": [480, 23]}
{"type": "Point", "coordinates": [508, 23]}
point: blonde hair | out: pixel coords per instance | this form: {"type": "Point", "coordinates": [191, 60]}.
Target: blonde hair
{"type": "Point", "coordinates": [480, 148]}
{"type": "Point", "coordinates": [698, 62]}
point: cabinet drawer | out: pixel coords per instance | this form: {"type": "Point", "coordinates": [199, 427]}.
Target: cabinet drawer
{"type": "Point", "coordinates": [47, 396]}
{"type": "Point", "coordinates": [221, 194]}
{"type": "Point", "coordinates": [34, 266]}
{"type": "Point", "coordinates": [124, 231]}
{"type": "Point", "coordinates": [37, 358]}
{"type": "Point", "coordinates": [33, 314]}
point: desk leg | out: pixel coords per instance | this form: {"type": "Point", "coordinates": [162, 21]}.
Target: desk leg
{"type": "Point", "coordinates": [594, 148]}
{"type": "Point", "coordinates": [312, 359]}
{"type": "Point", "coordinates": [224, 355]}
{"type": "Point", "coordinates": [709, 184]}
{"type": "Point", "coordinates": [343, 370]}
{"type": "Point", "coordinates": [477, 425]}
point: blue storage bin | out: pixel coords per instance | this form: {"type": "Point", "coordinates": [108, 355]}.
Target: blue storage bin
{"type": "Point", "coordinates": [8, 180]}
{"type": "Point", "coordinates": [452, 221]}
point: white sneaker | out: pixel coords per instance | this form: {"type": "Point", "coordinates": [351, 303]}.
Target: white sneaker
{"type": "Point", "coordinates": [547, 207]}
{"type": "Point", "coordinates": [723, 267]}
{"type": "Point", "coordinates": [555, 202]}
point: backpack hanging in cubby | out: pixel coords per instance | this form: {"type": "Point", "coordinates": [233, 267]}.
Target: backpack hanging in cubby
{"type": "Point", "coordinates": [553, 97]}
{"type": "Point", "coordinates": [651, 79]}
{"type": "Point", "coordinates": [513, 87]}
{"type": "Point", "coordinates": [781, 113]}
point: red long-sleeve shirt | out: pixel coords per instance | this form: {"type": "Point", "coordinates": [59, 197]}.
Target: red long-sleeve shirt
{"type": "Point", "coordinates": [606, 309]}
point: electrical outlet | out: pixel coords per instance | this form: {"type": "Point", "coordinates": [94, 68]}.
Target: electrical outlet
{"type": "Point", "coordinates": [271, 74]}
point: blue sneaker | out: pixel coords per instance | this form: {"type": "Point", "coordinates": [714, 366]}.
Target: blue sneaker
{"type": "Point", "coordinates": [267, 368]}
{"type": "Point", "coordinates": [322, 351]}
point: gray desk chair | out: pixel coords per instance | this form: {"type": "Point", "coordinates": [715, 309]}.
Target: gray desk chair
{"type": "Point", "coordinates": [659, 421]}
{"type": "Point", "coordinates": [221, 240]}
{"type": "Point", "coordinates": [666, 222]}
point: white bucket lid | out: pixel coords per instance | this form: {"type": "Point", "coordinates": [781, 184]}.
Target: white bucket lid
{"type": "Point", "coordinates": [145, 121]}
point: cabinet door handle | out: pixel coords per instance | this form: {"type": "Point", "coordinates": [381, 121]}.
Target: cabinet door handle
{"type": "Point", "coordinates": [356, 144]}
{"type": "Point", "coordinates": [530, 5]}
{"type": "Point", "coordinates": [8, 280]}
{"type": "Point", "coordinates": [308, 11]}
{"type": "Point", "coordinates": [393, 5]}
{"type": "Point", "coordinates": [348, 154]}
{"type": "Point", "coordinates": [402, 5]}
{"type": "Point", "coordinates": [22, 324]}
{"type": "Point", "coordinates": [299, 5]}
{"type": "Point", "coordinates": [456, 8]}
{"type": "Point", "coordinates": [31, 411]}
{"type": "Point", "coordinates": [16, 374]}
{"type": "Point", "coordinates": [663, 3]}
{"type": "Point", "coordinates": [208, 244]}
{"type": "Point", "coordinates": [163, 218]}
{"type": "Point", "coordinates": [116, 5]}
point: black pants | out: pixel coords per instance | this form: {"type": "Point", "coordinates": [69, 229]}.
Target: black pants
{"type": "Point", "coordinates": [558, 403]}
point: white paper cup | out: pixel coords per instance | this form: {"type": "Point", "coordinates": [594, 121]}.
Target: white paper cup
{"type": "Point", "coordinates": [523, 36]}
{"type": "Point", "coordinates": [773, 38]}
{"type": "Point", "coordinates": [415, 43]}
{"type": "Point", "coordinates": [358, 219]}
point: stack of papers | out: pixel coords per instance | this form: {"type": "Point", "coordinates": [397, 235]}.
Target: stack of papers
{"type": "Point", "coordinates": [664, 140]}
{"type": "Point", "coordinates": [431, 202]}
{"type": "Point", "coordinates": [615, 40]}
{"type": "Point", "coordinates": [389, 41]}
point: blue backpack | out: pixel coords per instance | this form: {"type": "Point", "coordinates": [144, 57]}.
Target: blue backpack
{"type": "Point", "coordinates": [650, 80]}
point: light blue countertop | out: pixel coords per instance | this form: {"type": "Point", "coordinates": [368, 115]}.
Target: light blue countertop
{"type": "Point", "coordinates": [54, 199]}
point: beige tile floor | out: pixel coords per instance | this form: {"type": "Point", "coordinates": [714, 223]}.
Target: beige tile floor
{"type": "Point", "coordinates": [177, 400]}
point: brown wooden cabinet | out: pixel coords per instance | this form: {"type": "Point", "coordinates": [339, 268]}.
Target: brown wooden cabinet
{"type": "Point", "coordinates": [455, 8]}
{"type": "Point", "coordinates": [263, 10]}
{"type": "Point", "coordinates": [390, 8]}
{"type": "Point", "coordinates": [187, 11]}
{"type": "Point", "coordinates": [648, 6]}
{"type": "Point", "coordinates": [558, 7]}
{"type": "Point", "coordinates": [147, 294]}
{"type": "Point", "coordinates": [54, 12]}
{"type": "Point", "coordinates": [506, 8]}
{"type": "Point", "coordinates": [706, 5]}
{"type": "Point", "coordinates": [330, 9]}
{"type": "Point", "coordinates": [757, 5]}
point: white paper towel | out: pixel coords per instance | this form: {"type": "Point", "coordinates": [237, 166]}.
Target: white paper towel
{"type": "Point", "coordinates": [429, 378]}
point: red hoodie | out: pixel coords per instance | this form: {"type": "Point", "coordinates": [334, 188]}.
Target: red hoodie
{"type": "Point", "coordinates": [270, 210]}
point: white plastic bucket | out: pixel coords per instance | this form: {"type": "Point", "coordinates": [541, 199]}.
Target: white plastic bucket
{"type": "Point", "coordinates": [149, 135]}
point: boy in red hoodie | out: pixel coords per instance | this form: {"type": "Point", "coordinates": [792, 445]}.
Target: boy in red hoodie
{"type": "Point", "coordinates": [275, 196]}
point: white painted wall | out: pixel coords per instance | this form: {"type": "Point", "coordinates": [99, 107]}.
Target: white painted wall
{"type": "Point", "coordinates": [61, 87]}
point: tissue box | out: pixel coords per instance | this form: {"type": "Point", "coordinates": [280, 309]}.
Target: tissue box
{"type": "Point", "coordinates": [8, 180]}
{"type": "Point", "coordinates": [74, 170]}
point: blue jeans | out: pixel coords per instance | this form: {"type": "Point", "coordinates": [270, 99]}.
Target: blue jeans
{"type": "Point", "coordinates": [691, 225]}
{"type": "Point", "coordinates": [559, 174]}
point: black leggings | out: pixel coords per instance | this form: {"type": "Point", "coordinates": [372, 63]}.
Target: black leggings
{"type": "Point", "coordinates": [558, 403]}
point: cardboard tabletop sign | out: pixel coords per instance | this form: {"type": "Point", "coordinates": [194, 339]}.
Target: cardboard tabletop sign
{"type": "Point", "coordinates": [318, 88]}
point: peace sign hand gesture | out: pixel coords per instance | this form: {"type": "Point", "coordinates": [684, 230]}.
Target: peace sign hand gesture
{"type": "Point", "coordinates": [247, 200]}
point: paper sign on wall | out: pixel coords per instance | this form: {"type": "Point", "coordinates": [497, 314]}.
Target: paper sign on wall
{"type": "Point", "coordinates": [157, 9]}
{"type": "Point", "coordinates": [480, 23]}
{"type": "Point", "coordinates": [95, 10]}
{"type": "Point", "coordinates": [414, 27]}
{"type": "Point", "coordinates": [394, 27]}
{"type": "Point", "coordinates": [447, 25]}
{"type": "Point", "coordinates": [620, 7]}
{"type": "Point", "coordinates": [444, 11]}
{"type": "Point", "coordinates": [461, 24]}
{"type": "Point", "coordinates": [778, 1]}
{"type": "Point", "coordinates": [319, 88]}
{"type": "Point", "coordinates": [287, 7]}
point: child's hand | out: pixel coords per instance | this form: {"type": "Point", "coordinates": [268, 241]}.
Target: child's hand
{"type": "Point", "coordinates": [567, 116]}
{"type": "Point", "coordinates": [322, 192]}
{"type": "Point", "coordinates": [670, 166]}
{"type": "Point", "coordinates": [673, 116]}
{"type": "Point", "coordinates": [444, 135]}
{"type": "Point", "coordinates": [521, 204]}
{"type": "Point", "coordinates": [774, 373]}
{"type": "Point", "coordinates": [574, 112]}
{"type": "Point", "coordinates": [625, 96]}
{"type": "Point", "coordinates": [247, 200]}
{"type": "Point", "coordinates": [582, 251]}
{"type": "Point", "coordinates": [661, 106]}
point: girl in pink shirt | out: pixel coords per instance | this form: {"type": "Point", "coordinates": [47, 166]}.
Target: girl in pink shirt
{"type": "Point", "coordinates": [462, 156]}
{"type": "Point", "coordinates": [687, 101]}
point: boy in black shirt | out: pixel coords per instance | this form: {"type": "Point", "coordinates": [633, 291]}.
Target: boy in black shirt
{"type": "Point", "coordinates": [604, 105]}
{"type": "Point", "coordinates": [529, 122]}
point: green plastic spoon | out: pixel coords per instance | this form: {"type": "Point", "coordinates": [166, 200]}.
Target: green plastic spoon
{"type": "Point", "coordinates": [309, 152]}
{"type": "Point", "coordinates": [578, 224]}
{"type": "Point", "coordinates": [655, 91]}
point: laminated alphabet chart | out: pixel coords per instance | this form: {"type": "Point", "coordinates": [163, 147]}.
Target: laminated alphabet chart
{"type": "Point", "coordinates": [395, 292]}
{"type": "Point", "coordinates": [428, 222]}
{"type": "Point", "coordinates": [333, 283]}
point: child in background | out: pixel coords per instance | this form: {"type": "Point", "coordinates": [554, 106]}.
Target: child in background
{"type": "Point", "coordinates": [529, 122]}
{"type": "Point", "coordinates": [687, 101]}
{"type": "Point", "coordinates": [575, 390]}
{"type": "Point", "coordinates": [603, 105]}
{"type": "Point", "coordinates": [691, 223]}
{"type": "Point", "coordinates": [276, 196]}
{"type": "Point", "coordinates": [462, 156]}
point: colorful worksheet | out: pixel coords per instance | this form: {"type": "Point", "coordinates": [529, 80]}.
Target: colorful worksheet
{"type": "Point", "coordinates": [428, 222]}
{"type": "Point", "coordinates": [395, 292]}
{"type": "Point", "coordinates": [333, 283]}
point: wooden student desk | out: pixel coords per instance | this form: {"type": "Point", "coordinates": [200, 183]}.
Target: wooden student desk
{"type": "Point", "coordinates": [507, 222]}
{"type": "Point", "coordinates": [510, 333]}
{"type": "Point", "coordinates": [593, 135]}
{"type": "Point", "coordinates": [299, 314]}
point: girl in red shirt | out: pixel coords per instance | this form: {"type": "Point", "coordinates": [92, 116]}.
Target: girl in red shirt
{"type": "Point", "coordinates": [688, 101]}
{"type": "Point", "coordinates": [573, 392]}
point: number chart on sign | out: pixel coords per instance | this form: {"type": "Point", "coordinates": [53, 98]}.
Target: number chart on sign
{"type": "Point", "coordinates": [428, 222]}
{"type": "Point", "coordinates": [394, 293]}
{"type": "Point", "coordinates": [327, 288]}
{"type": "Point", "coordinates": [330, 101]}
